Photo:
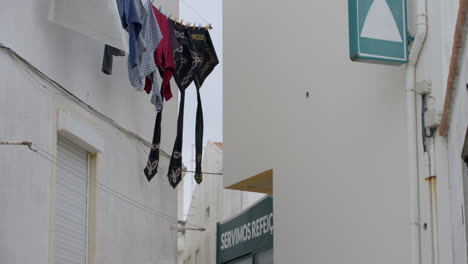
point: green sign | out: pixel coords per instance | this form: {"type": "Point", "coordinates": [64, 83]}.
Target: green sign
{"type": "Point", "coordinates": [378, 31]}
{"type": "Point", "coordinates": [246, 233]}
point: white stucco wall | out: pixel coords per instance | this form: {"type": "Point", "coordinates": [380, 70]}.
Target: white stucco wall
{"type": "Point", "coordinates": [124, 233]}
{"type": "Point", "coordinates": [338, 156]}
{"type": "Point", "coordinates": [458, 128]}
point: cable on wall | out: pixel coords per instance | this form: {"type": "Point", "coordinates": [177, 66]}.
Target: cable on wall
{"type": "Point", "coordinates": [48, 156]}
{"type": "Point", "coordinates": [81, 103]}
{"type": "Point", "coordinates": [77, 100]}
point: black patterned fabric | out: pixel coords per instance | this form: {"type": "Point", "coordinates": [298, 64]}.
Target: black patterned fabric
{"type": "Point", "coordinates": [195, 58]}
{"type": "Point", "coordinates": [203, 46]}
{"type": "Point", "coordinates": [153, 159]}
{"type": "Point", "coordinates": [186, 63]}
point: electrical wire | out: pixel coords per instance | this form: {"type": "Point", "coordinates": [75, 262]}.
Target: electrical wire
{"type": "Point", "coordinates": [78, 101]}
{"type": "Point", "coordinates": [207, 173]}
{"type": "Point", "coordinates": [66, 93]}
{"type": "Point", "coordinates": [195, 11]}
{"type": "Point", "coordinates": [188, 171]}
{"type": "Point", "coordinates": [48, 156]}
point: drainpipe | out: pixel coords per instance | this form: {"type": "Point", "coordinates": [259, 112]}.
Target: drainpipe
{"type": "Point", "coordinates": [415, 249]}
{"type": "Point", "coordinates": [430, 225]}
{"type": "Point", "coordinates": [435, 217]}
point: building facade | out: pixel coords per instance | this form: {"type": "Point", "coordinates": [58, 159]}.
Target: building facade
{"type": "Point", "coordinates": [79, 194]}
{"type": "Point", "coordinates": [329, 138]}
{"type": "Point", "coordinates": [210, 204]}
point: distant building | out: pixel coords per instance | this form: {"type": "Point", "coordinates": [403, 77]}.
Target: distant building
{"type": "Point", "coordinates": [210, 204]}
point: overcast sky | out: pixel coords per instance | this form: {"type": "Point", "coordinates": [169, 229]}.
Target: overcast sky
{"type": "Point", "coordinates": [211, 91]}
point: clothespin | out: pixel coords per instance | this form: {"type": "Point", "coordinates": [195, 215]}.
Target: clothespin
{"type": "Point", "coordinates": [199, 26]}
{"type": "Point", "coordinates": [182, 22]}
{"type": "Point", "coordinates": [176, 19]}
{"type": "Point", "coordinates": [165, 13]}
{"type": "Point", "coordinates": [187, 25]}
{"type": "Point", "coordinates": [160, 7]}
{"type": "Point", "coordinates": [169, 15]}
{"type": "Point", "coordinates": [209, 26]}
{"type": "Point", "coordinates": [194, 25]}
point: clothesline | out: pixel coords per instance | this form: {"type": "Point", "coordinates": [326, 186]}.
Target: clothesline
{"type": "Point", "coordinates": [187, 24]}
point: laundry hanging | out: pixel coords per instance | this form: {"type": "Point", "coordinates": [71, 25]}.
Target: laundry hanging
{"type": "Point", "coordinates": [146, 67]}
{"type": "Point", "coordinates": [164, 59]}
{"type": "Point", "coordinates": [154, 43]}
{"type": "Point", "coordinates": [203, 46]}
{"type": "Point", "coordinates": [157, 43]}
{"type": "Point", "coordinates": [194, 60]}
{"type": "Point", "coordinates": [186, 62]}
{"type": "Point", "coordinates": [132, 23]}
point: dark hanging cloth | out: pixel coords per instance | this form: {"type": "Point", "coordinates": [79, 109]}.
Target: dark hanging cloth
{"type": "Point", "coordinates": [108, 59]}
{"type": "Point", "coordinates": [153, 159]}
{"type": "Point", "coordinates": [187, 63]}
{"type": "Point", "coordinates": [163, 58]}
{"type": "Point", "coordinates": [203, 46]}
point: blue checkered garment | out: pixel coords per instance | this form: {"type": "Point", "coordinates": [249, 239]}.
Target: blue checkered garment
{"type": "Point", "coordinates": [132, 23]}
{"type": "Point", "coordinates": [150, 37]}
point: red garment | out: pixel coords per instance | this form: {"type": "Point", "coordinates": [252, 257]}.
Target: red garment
{"type": "Point", "coordinates": [163, 57]}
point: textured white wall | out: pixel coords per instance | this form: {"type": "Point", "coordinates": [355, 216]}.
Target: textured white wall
{"type": "Point", "coordinates": [458, 125]}
{"type": "Point", "coordinates": [339, 156]}
{"type": "Point", "coordinates": [433, 66]}
{"type": "Point", "coordinates": [124, 234]}
{"type": "Point", "coordinates": [252, 99]}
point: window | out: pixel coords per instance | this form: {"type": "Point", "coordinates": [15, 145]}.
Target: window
{"type": "Point", "coordinates": [264, 257]}
{"type": "Point", "coordinates": [71, 203]}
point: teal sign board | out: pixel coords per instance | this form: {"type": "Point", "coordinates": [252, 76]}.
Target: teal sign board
{"type": "Point", "coordinates": [249, 232]}
{"type": "Point", "coordinates": [378, 31]}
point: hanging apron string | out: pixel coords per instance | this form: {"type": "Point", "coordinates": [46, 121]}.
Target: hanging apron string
{"type": "Point", "coordinates": [187, 64]}
{"type": "Point", "coordinates": [202, 44]}
{"type": "Point", "coordinates": [174, 174]}
{"type": "Point", "coordinates": [153, 159]}
{"type": "Point", "coordinates": [199, 140]}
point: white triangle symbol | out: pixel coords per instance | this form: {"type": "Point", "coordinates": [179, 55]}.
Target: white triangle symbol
{"type": "Point", "coordinates": [380, 23]}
